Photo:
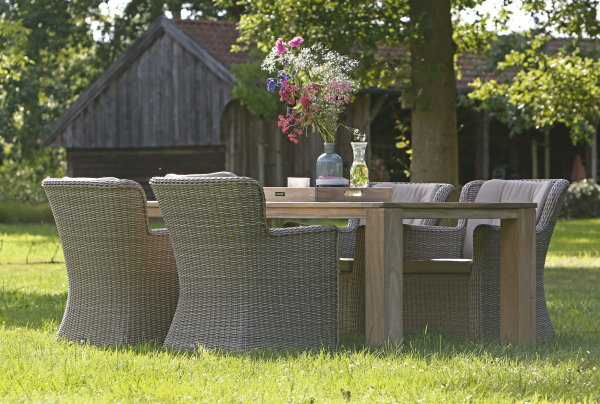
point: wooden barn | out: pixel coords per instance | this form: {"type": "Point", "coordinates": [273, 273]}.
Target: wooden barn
{"type": "Point", "coordinates": [165, 106]}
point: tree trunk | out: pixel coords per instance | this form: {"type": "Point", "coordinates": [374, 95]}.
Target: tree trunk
{"type": "Point", "coordinates": [433, 94]}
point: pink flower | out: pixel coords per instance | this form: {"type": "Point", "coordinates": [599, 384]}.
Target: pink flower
{"type": "Point", "coordinates": [281, 49]}
{"type": "Point", "coordinates": [296, 41]}
{"type": "Point", "coordinates": [288, 92]}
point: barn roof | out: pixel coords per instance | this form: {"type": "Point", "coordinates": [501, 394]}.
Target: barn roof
{"type": "Point", "coordinates": [216, 37]}
{"type": "Point", "coordinates": [209, 41]}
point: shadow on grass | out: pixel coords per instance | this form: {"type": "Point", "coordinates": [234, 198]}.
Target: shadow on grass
{"type": "Point", "coordinates": [30, 310]}
{"type": "Point", "coordinates": [573, 300]}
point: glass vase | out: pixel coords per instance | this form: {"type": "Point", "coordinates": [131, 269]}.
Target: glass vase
{"type": "Point", "coordinates": [359, 173]}
{"type": "Point", "coordinates": [329, 167]}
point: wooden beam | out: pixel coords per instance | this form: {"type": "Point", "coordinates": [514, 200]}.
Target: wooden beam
{"type": "Point", "coordinates": [534, 159]}
{"type": "Point", "coordinates": [383, 276]}
{"type": "Point", "coordinates": [518, 278]}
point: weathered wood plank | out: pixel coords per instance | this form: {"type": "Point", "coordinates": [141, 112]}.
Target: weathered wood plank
{"type": "Point", "coordinates": [327, 194]}
{"type": "Point", "coordinates": [175, 101]}
{"type": "Point", "coordinates": [200, 77]}
{"type": "Point", "coordinates": [99, 85]}
{"type": "Point", "coordinates": [517, 278]}
{"type": "Point", "coordinates": [383, 280]}
{"type": "Point", "coordinates": [187, 86]}
{"type": "Point", "coordinates": [142, 164]}
{"type": "Point", "coordinates": [111, 119]}
{"type": "Point", "coordinates": [123, 135]}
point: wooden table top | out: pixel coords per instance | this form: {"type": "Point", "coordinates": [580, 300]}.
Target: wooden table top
{"type": "Point", "coordinates": [412, 210]}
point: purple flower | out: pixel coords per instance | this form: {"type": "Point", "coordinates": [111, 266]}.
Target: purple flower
{"type": "Point", "coordinates": [281, 49]}
{"type": "Point", "coordinates": [296, 41]}
{"type": "Point", "coordinates": [271, 85]}
{"type": "Point", "coordinates": [283, 76]}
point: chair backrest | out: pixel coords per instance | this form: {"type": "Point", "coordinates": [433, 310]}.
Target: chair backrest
{"type": "Point", "coordinates": [122, 277]}
{"type": "Point", "coordinates": [546, 193]}
{"type": "Point", "coordinates": [107, 210]}
{"type": "Point", "coordinates": [417, 192]}
{"type": "Point", "coordinates": [211, 217]}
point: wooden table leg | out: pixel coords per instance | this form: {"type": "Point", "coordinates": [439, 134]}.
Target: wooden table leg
{"type": "Point", "coordinates": [517, 278]}
{"type": "Point", "coordinates": [383, 276]}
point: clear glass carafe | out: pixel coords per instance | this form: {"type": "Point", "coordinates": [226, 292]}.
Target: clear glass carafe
{"type": "Point", "coordinates": [329, 166]}
{"type": "Point", "coordinates": [359, 173]}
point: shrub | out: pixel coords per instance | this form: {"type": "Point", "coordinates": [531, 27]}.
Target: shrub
{"type": "Point", "coordinates": [582, 200]}
{"type": "Point", "coordinates": [21, 178]}
{"type": "Point", "coordinates": [25, 212]}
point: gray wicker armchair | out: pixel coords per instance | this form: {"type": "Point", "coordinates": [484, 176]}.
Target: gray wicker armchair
{"type": "Point", "coordinates": [122, 275]}
{"type": "Point", "coordinates": [352, 283]}
{"type": "Point", "coordinates": [243, 285]}
{"type": "Point", "coordinates": [462, 297]}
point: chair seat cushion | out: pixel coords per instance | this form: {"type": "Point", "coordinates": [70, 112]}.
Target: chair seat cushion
{"type": "Point", "coordinates": [217, 174]}
{"type": "Point", "coordinates": [506, 191]}
{"type": "Point", "coordinates": [439, 266]}
{"type": "Point", "coordinates": [407, 192]}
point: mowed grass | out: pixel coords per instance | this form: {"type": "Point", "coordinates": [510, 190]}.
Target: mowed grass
{"type": "Point", "coordinates": [35, 367]}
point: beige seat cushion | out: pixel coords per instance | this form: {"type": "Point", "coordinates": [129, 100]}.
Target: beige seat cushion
{"type": "Point", "coordinates": [217, 174]}
{"type": "Point", "coordinates": [89, 179]}
{"type": "Point", "coordinates": [407, 192]}
{"type": "Point", "coordinates": [506, 191]}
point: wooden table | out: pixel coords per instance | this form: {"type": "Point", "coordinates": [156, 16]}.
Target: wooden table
{"type": "Point", "coordinates": [384, 256]}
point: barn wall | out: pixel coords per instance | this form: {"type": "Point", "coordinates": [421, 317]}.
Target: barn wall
{"type": "Point", "coordinates": [164, 98]}
{"type": "Point", "coordinates": [142, 164]}
{"type": "Point", "coordinates": [254, 145]}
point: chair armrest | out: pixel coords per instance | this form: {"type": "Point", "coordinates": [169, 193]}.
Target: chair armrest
{"type": "Point", "coordinates": [309, 252]}
{"type": "Point", "coordinates": [427, 242]}
{"type": "Point", "coordinates": [486, 249]}
{"type": "Point", "coordinates": [347, 240]}
{"type": "Point", "coordinates": [347, 236]}
{"type": "Point", "coordinates": [283, 231]}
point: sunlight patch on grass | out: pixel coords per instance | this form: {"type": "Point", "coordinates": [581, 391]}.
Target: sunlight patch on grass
{"type": "Point", "coordinates": [35, 367]}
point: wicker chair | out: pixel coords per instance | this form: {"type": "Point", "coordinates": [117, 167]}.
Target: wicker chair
{"type": "Point", "coordinates": [122, 276]}
{"type": "Point", "coordinates": [243, 285]}
{"type": "Point", "coordinates": [461, 296]}
{"type": "Point", "coordinates": [352, 283]}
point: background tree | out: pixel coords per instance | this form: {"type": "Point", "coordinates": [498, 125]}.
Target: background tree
{"type": "Point", "coordinates": [57, 41]}
{"type": "Point", "coordinates": [545, 87]}
{"type": "Point", "coordinates": [386, 37]}
{"type": "Point", "coordinates": [51, 51]}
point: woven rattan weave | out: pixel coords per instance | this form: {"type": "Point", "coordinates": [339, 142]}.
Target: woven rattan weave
{"type": "Point", "coordinates": [468, 305]}
{"type": "Point", "coordinates": [122, 275]}
{"type": "Point", "coordinates": [243, 285]}
{"type": "Point", "coordinates": [352, 284]}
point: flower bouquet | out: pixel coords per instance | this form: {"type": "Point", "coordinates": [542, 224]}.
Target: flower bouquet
{"type": "Point", "coordinates": [314, 84]}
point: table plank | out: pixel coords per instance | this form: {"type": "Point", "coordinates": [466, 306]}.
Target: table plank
{"type": "Point", "coordinates": [383, 279]}
{"type": "Point", "coordinates": [517, 278]}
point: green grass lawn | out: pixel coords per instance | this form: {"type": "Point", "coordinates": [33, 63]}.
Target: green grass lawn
{"type": "Point", "coordinates": [34, 367]}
